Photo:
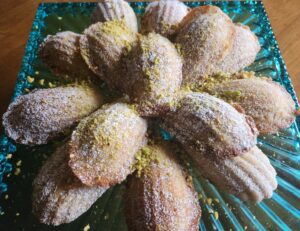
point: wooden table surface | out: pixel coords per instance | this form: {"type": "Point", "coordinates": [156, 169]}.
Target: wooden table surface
{"type": "Point", "coordinates": [17, 16]}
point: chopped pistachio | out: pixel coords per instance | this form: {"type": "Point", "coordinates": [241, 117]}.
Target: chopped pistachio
{"type": "Point", "coordinates": [143, 159]}
{"type": "Point", "coordinates": [216, 214]}
{"type": "Point", "coordinates": [41, 82]}
{"type": "Point", "coordinates": [18, 171]}
{"type": "Point", "coordinates": [9, 156]}
{"type": "Point", "coordinates": [19, 163]}
{"type": "Point", "coordinates": [209, 201]}
{"type": "Point", "coordinates": [30, 79]}
{"type": "Point", "coordinates": [87, 227]}
{"type": "Point", "coordinates": [51, 84]}
{"type": "Point", "coordinates": [200, 196]}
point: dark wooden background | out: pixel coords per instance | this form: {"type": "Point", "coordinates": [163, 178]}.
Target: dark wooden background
{"type": "Point", "coordinates": [16, 18]}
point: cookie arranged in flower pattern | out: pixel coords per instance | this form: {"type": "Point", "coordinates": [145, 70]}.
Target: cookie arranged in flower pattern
{"type": "Point", "coordinates": [155, 77]}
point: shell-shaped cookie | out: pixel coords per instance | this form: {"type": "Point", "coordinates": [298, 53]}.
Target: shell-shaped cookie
{"type": "Point", "coordinates": [267, 102]}
{"type": "Point", "coordinates": [61, 54]}
{"type": "Point", "coordinates": [153, 75]}
{"type": "Point", "coordinates": [205, 37]}
{"type": "Point", "coordinates": [103, 145]}
{"type": "Point", "coordinates": [163, 17]}
{"type": "Point", "coordinates": [210, 126]}
{"type": "Point", "coordinates": [249, 176]}
{"type": "Point", "coordinates": [162, 198]}
{"type": "Point", "coordinates": [58, 196]}
{"type": "Point", "coordinates": [46, 114]}
{"type": "Point", "coordinates": [244, 50]}
{"type": "Point", "coordinates": [109, 10]}
{"type": "Point", "coordinates": [103, 45]}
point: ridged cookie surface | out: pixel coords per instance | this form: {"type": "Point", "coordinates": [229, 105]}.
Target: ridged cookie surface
{"type": "Point", "coordinates": [249, 176]}
{"type": "Point", "coordinates": [163, 17]}
{"type": "Point", "coordinates": [109, 10]}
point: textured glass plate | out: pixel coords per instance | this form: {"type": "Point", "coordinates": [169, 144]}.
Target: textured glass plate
{"type": "Point", "coordinates": [281, 212]}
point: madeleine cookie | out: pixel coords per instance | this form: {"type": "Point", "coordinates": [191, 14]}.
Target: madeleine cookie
{"type": "Point", "coordinates": [162, 198]}
{"type": "Point", "coordinates": [210, 126]}
{"type": "Point", "coordinates": [103, 45]}
{"type": "Point", "coordinates": [103, 145]}
{"type": "Point", "coordinates": [267, 102]}
{"type": "Point", "coordinates": [163, 17]}
{"type": "Point", "coordinates": [109, 10]}
{"type": "Point", "coordinates": [205, 36]}
{"type": "Point", "coordinates": [46, 114]}
{"type": "Point", "coordinates": [58, 196]}
{"type": "Point", "coordinates": [244, 50]}
{"type": "Point", "coordinates": [61, 54]}
{"type": "Point", "coordinates": [249, 176]}
{"type": "Point", "coordinates": [153, 75]}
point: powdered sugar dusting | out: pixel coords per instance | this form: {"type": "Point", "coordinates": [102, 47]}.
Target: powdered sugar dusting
{"type": "Point", "coordinates": [109, 10]}
{"type": "Point", "coordinates": [46, 114]}
{"type": "Point", "coordinates": [210, 126]}
{"type": "Point", "coordinates": [249, 176]}
{"type": "Point", "coordinates": [102, 46]}
{"type": "Point", "coordinates": [61, 54]}
{"type": "Point", "coordinates": [268, 103]}
{"type": "Point", "coordinates": [162, 199]}
{"type": "Point", "coordinates": [153, 75]}
{"type": "Point", "coordinates": [243, 52]}
{"type": "Point", "coordinates": [163, 17]}
{"type": "Point", "coordinates": [206, 37]}
{"type": "Point", "coordinates": [58, 196]}
{"type": "Point", "coordinates": [103, 146]}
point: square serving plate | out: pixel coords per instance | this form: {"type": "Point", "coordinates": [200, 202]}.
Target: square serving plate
{"type": "Point", "coordinates": [17, 171]}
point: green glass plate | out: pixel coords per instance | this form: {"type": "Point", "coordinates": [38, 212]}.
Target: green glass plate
{"type": "Point", "coordinates": [281, 212]}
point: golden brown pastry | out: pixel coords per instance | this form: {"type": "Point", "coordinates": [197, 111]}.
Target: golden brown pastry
{"type": "Point", "coordinates": [244, 50]}
{"type": "Point", "coordinates": [163, 17]}
{"type": "Point", "coordinates": [153, 75]}
{"type": "Point", "coordinates": [61, 54]}
{"type": "Point", "coordinates": [210, 126]}
{"type": "Point", "coordinates": [46, 114]}
{"type": "Point", "coordinates": [102, 47]}
{"type": "Point", "coordinates": [206, 36]}
{"type": "Point", "coordinates": [103, 146]}
{"type": "Point", "coordinates": [267, 102]}
{"type": "Point", "coordinates": [250, 176]}
{"type": "Point", "coordinates": [58, 196]}
{"type": "Point", "coordinates": [109, 10]}
{"type": "Point", "coordinates": [161, 198]}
